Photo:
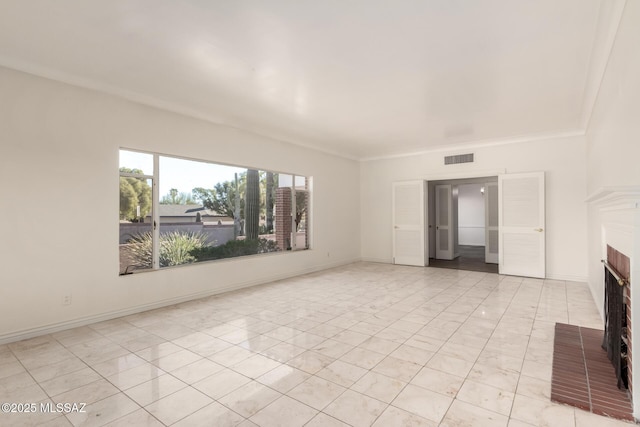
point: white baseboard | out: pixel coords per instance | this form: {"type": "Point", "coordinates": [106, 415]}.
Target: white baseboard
{"type": "Point", "coordinates": [568, 278]}
{"type": "Point", "coordinates": [378, 260]}
{"type": "Point", "coordinates": [565, 277]}
{"type": "Point", "coordinates": [87, 320]}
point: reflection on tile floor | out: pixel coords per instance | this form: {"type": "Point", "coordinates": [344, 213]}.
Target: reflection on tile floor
{"type": "Point", "coordinates": [365, 344]}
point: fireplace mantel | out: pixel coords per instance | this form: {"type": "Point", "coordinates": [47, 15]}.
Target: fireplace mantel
{"type": "Point", "coordinates": [616, 198]}
{"type": "Point", "coordinates": [619, 209]}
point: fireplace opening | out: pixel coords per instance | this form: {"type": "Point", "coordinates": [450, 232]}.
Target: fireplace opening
{"type": "Point", "coordinates": [617, 313]}
{"type": "Point", "coordinates": [615, 340]}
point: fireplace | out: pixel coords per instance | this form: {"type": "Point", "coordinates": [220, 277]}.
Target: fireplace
{"type": "Point", "coordinates": [617, 313]}
{"type": "Point", "coordinates": [614, 223]}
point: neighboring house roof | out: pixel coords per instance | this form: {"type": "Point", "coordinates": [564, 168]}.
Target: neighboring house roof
{"type": "Point", "coordinates": [187, 211]}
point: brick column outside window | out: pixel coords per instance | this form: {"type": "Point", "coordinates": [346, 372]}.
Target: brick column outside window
{"type": "Point", "coordinates": [283, 218]}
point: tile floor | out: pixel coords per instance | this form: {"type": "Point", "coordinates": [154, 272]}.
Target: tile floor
{"type": "Point", "coordinates": [365, 344]}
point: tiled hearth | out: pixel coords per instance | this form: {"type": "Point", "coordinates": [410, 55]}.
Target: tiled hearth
{"type": "Point", "coordinates": [583, 375]}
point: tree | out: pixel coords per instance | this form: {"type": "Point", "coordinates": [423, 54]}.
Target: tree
{"type": "Point", "coordinates": [128, 200]}
{"type": "Point", "coordinates": [220, 199]}
{"type": "Point", "coordinates": [252, 204]}
{"type": "Point", "coordinates": [177, 198]}
{"type": "Point", "coordinates": [134, 192]}
{"type": "Point", "coordinates": [301, 207]}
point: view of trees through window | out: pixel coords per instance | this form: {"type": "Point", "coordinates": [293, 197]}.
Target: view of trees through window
{"type": "Point", "coordinates": [205, 211]}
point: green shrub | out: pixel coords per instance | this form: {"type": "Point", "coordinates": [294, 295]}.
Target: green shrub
{"type": "Point", "coordinates": [262, 229]}
{"type": "Point", "coordinates": [234, 248]}
{"type": "Point", "coordinates": [175, 248]}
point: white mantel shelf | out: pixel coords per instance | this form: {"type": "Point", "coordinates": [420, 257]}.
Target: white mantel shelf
{"type": "Point", "coordinates": [616, 198]}
{"type": "Point", "coordinates": [620, 215]}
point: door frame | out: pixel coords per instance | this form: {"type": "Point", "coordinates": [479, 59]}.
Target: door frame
{"type": "Point", "coordinates": [493, 173]}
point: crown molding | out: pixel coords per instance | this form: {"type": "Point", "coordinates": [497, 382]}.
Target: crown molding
{"type": "Point", "coordinates": [616, 198]}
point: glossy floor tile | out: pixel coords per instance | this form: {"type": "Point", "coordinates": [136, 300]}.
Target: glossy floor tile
{"type": "Point", "coordinates": [360, 345]}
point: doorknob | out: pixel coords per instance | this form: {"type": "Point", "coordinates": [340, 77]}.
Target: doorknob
{"type": "Point", "coordinates": [539, 230]}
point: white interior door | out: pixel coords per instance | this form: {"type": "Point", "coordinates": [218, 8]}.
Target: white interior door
{"type": "Point", "coordinates": [521, 224]}
{"type": "Point", "coordinates": [491, 245]}
{"type": "Point", "coordinates": [444, 222]}
{"type": "Point", "coordinates": [409, 223]}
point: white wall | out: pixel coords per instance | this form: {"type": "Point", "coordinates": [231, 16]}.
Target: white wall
{"type": "Point", "coordinates": [562, 160]}
{"type": "Point", "coordinates": [471, 215]}
{"type": "Point", "coordinates": [59, 156]}
{"type": "Point", "coordinates": [613, 147]}
{"type": "Point", "coordinates": [613, 135]}
{"type": "Point", "coordinates": [613, 153]}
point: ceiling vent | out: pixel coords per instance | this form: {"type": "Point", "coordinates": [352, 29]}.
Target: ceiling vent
{"type": "Point", "coordinates": [460, 158]}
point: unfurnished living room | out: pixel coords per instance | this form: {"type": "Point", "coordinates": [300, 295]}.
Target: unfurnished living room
{"type": "Point", "coordinates": [319, 213]}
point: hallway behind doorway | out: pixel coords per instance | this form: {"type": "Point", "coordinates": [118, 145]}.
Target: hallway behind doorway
{"type": "Point", "coordinates": [471, 259]}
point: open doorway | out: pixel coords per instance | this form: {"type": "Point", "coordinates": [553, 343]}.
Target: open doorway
{"type": "Point", "coordinates": [514, 232]}
{"type": "Point", "coordinates": [463, 224]}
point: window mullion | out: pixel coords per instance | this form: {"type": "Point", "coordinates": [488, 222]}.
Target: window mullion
{"type": "Point", "coordinates": [294, 232]}
{"type": "Point", "coordinates": [155, 195]}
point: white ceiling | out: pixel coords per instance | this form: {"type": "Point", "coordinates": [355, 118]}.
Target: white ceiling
{"type": "Point", "coordinates": [362, 78]}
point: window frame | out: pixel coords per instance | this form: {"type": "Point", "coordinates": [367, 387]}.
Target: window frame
{"type": "Point", "coordinates": [155, 211]}
{"type": "Point", "coordinates": [155, 200]}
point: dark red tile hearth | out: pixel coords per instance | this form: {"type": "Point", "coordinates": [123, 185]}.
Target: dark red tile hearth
{"type": "Point", "coordinates": [583, 376]}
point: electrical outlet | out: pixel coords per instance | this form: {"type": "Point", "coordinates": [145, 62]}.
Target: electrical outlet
{"type": "Point", "coordinates": [66, 300]}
